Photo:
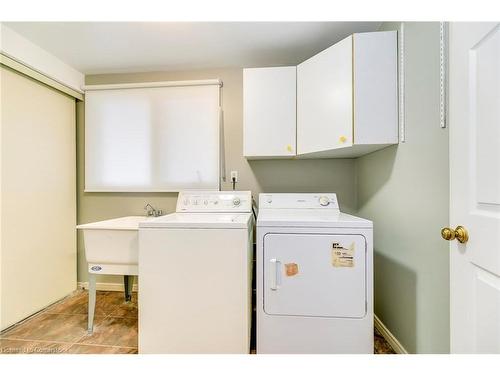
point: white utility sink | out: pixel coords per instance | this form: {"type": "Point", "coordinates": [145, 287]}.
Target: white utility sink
{"type": "Point", "coordinates": [111, 248]}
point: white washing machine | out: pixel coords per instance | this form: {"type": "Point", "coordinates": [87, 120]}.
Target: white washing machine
{"type": "Point", "coordinates": [195, 271]}
{"type": "Point", "coordinates": [314, 276]}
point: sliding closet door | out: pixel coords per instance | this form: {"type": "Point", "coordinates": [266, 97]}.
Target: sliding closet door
{"type": "Point", "coordinates": [37, 196]}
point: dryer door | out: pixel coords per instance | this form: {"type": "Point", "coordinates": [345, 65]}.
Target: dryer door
{"type": "Point", "coordinates": [315, 275]}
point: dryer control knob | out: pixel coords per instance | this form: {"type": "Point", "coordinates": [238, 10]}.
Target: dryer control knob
{"type": "Point", "coordinates": [324, 201]}
{"type": "Point", "coordinates": [236, 201]}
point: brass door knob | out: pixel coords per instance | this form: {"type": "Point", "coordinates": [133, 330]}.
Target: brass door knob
{"type": "Point", "coordinates": [460, 233]}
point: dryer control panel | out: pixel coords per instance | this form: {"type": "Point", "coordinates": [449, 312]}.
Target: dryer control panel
{"type": "Point", "coordinates": [327, 201]}
{"type": "Point", "coordinates": [214, 201]}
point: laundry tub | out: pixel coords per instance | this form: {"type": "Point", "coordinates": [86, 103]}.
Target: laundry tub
{"type": "Point", "coordinates": [111, 248]}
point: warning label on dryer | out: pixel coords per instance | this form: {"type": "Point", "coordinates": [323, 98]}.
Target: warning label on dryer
{"type": "Point", "coordinates": [342, 256]}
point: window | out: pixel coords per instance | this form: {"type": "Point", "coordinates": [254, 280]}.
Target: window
{"type": "Point", "coordinates": [152, 138]}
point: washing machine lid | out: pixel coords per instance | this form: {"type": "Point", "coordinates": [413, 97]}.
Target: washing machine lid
{"type": "Point", "coordinates": [309, 218]}
{"type": "Point", "coordinates": [200, 220]}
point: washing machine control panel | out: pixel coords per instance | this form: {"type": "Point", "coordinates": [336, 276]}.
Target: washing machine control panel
{"type": "Point", "coordinates": [299, 200]}
{"type": "Point", "coordinates": [214, 201]}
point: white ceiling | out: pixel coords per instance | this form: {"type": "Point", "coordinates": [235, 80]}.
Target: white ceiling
{"type": "Point", "coordinates": [112, 47]}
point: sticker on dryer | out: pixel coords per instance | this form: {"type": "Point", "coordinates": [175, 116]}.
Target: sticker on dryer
{"type": "Point", "coordinates": [291, 269]}
{"type": "Point", "coordinates": [342, 256]}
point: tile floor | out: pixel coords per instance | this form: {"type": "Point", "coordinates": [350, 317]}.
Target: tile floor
{"type": "Point", "coordinates": [62, 328]}
{"type": "Point", "coordinates": [381, 346]}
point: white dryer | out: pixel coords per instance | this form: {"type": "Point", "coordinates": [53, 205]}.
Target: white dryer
{"type": "Point", "coordinates": [314, 276]}
{"type": "Point", "coordinates": [196, 275]}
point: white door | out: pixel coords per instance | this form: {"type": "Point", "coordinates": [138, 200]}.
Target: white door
{"type": "Point", "coordinates": [315, 275]}
{"type": "Point", "coordinates": [475, 187]}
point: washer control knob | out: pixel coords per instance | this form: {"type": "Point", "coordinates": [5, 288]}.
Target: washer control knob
{"type": "Point", "coordinates": [324, 201]}
{"type": "Point", "coordinates": [236, 201]}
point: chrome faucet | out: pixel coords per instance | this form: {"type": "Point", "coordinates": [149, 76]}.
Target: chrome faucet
{"type": "Point", "coordinates": [151, 211]}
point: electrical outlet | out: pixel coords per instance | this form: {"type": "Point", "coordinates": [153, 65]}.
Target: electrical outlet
{"type": "Point", "coordinates": [234, 176]}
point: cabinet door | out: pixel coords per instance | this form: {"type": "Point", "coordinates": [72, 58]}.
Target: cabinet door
{"type": "Point", "coordinates": [269, 112]}
{"type": "Point", "coordinates": [324, 100]}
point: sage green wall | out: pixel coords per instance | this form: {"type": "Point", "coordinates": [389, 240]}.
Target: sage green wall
{"type": "Point", "coordinates": [404, 189]}
{"type": "Point", "coordinates": [335, 175]}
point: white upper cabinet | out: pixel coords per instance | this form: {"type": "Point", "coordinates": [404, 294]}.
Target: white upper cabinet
{"type": "Point", "coordinates": [269, 112]}
{"type": "Point", "coordinates": [340, 103]}
{"type": "Point", "coordinates": [347, 97]}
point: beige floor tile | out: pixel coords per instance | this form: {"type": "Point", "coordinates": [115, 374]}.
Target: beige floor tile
{"type": "Point", "coordinates": [75, 304]}
{"type": "Point", "coordinates": [110, 301]}
{"type": "Point", "coordinates": [381, 346]}
{"type": "Point", "coordinates": [113, 331]}
{"type": "Point", "coordinates": [52, 327]}
{"type": "Point", "coordinates": [106, 302]}
{"type": "Point", "coordinates": [97, 349]}
{"type": "Point", "coordinates": [126, 309]}
{"type": "Point", "coordinates": [12, 346]}
{"type": "Point", "coordinates": [71, 305]}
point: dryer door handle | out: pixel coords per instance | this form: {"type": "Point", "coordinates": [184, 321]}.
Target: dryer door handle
{"type": "Point", "coordinates": [274, 268]}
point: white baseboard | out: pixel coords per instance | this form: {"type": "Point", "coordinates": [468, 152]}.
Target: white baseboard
{"type": "Point", "coordinates": [108, 287]}
{"type": "Point", "coordinates": [391, 339]}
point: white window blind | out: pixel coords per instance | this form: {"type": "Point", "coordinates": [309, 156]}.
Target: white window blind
{"type": "Point", "coordinates": [152, 139]}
